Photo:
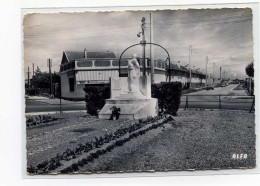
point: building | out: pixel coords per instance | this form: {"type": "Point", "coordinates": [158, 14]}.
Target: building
{"type": "Point", "coordinates": [80, 68]}
{"type": "Point", "coordinates": [182, 74]}
{"type": "Point", "coordinates": [83, 68]}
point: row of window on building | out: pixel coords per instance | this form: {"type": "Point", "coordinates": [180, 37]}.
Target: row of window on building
{"type": "Point", "coordinates": [103, 63]}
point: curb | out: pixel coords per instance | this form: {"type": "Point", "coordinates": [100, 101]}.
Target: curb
{"type": "Point", "coordinates": [54, 112]}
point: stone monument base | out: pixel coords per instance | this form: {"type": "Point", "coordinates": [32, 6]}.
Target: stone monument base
{"type": "Point", "coordinates": [131, 107]}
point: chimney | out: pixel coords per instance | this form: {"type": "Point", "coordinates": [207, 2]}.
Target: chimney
{"type": "Point", "coordinates": [85, 53]}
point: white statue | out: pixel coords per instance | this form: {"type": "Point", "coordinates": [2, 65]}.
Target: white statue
{"type": "Point", "coordinates": [134, 74]}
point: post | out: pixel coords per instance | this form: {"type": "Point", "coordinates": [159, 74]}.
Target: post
{"type": "Point", "coordinates": [206, 70]}
{"type": "Point", "coordinates": [249, 86]}
{"type": "Point", "coordinates": [190, 49]}
{"type": "Point", "coordinates": [253, 105]}
{"type": "Point", "coordinates": [186, 105]}
{"type": "Point", "coordinates": [143, 42]}
{"type": "Point", "coordinates": [213, 75]}
{"type": "Point", "coordinates": [220, 73]}
{"type": "Point", "coordinates": [219, 100]}
{"type": "Point", "coordinates": [50, 64]}
{"type": "Point", "coordinates": [28, 82]}
{"type": "Point", "coordinates": [33, 68]}
{"type": "Point", "coordinates": [151, 50]}
{"type": "Point", "coordinates": [60, 94]}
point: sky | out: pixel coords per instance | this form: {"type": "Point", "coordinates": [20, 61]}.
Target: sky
{"type": "Point", "coordinates": [224, 35]}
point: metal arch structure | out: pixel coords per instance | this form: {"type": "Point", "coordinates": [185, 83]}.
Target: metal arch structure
{"type": "Point", "coordinates": [169, 59]}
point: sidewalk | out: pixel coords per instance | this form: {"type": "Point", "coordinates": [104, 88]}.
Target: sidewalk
{"type": "Point", "coordinates": [36, 97]}
{"type": "Point", "coordinates": [53, 101]}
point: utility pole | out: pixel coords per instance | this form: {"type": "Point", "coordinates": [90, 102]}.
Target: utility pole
{"type": "Point", "coordinates": [33, 68]}
{"type": "Point", "coordinates": [220, 73]}
{"type": "Point", "coordinates": [143, 42]}
{"type": "Point", "coordinates": [28, 80]}
{"type": "Point", "coordinates": [213, 72]}
{"type": "Point", "coordinates": [190, 53]}
{"type": "Point", "coordinates": [151, 49]}
{"type": "Point", "coordinates": [206, 69]}
{"type": "Point", "coordinates": [49, 61]}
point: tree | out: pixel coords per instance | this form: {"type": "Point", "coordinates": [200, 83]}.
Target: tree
{"type": "Point", "coordinates": [250, 70]}
{"type": "Point", "coordinates": [250, 73]}
{"type": "Point", "coordinates": [42, 79]}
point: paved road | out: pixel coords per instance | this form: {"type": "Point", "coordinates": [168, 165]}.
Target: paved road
{"type": "Point", "coordinates": [37, 106]}
{"type": "Point", "coordinates": [219, 97]}
{"type": "Point", "coordinates": [217, 91]}
{"type": "Point", "coordinates": [206, 99]}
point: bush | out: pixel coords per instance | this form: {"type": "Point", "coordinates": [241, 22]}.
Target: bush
{"type": "Point", "coordinates": [168, 95]}
{"type": "Point", "coordinates": [95, 98]}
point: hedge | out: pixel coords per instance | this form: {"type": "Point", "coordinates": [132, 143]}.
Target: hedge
{"type": "Point", "coordinates": [167, 93]}
{"type": "Point", "coordinates": [95, 98]}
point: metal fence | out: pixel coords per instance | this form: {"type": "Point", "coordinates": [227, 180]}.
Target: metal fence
{"type": "Point", "coordinates": [34, 105]}
{"type": "Point", "coordinates": [187, 102]}
{"type": "Point", "coordinates": [218, 102]}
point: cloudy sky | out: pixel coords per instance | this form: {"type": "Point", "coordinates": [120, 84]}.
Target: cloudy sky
{"type": "Point", "coordinates": [224, 35]}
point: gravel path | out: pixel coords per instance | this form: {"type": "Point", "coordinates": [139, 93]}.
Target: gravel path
{"type": "Point", "coordinates": [199, 140]}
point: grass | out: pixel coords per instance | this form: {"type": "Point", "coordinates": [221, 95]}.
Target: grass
{"type": "Point", "coordinates": [240, 87]}
{"type": "Point", "coordinates": [199, 140]}
{"type": "Point", "coordinates": [83, 130]}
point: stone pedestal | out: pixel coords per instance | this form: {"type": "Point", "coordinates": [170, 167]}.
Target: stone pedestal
{"type": "Point", "coordinates": [131, 108]}
{"type": "Point", "coordinates": [131, 105]}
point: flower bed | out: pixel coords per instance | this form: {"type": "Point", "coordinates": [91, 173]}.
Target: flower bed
{"type": "Point", "coordinates": [106, 143]}
{"type": "Point", "coordinates": [38, 119]}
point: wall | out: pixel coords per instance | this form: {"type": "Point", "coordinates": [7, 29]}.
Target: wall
{"type": "Point", "coordinates": [77, 94]}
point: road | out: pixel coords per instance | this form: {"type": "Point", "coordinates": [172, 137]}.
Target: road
{"type": "Point", "coordinates": [205, 99]}
{"type": "Point", "coordinates": [37, 106]}
{"type": "Point", "coordinates": [217, 91]}
{"type": "Point", "coordinates": [220, 97]}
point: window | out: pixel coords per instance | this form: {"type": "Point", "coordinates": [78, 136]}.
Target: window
{"type": "Point", "coordinates": [123, 62]}
{"type": "Point", "coordinates": [102, 63]}
{"type": "Point", "coordinates": [84, 64]}
{"type": "Point", "coordinates": [163, 65]}
{"type": "Point", "coordinates": [71, 84]}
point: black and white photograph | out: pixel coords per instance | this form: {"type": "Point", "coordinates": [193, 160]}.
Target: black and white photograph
{"type": "Point", "coordinates": [139, 91]}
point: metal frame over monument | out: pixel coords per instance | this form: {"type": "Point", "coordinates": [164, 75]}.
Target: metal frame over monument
{"type": "Point", "coordinates": [131, 93]}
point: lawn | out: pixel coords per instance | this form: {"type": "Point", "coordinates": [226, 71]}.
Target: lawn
{"type": "Point", "coordinates": [199, 140]}
{"type": "Point", "coordinates": [46, 140]}
{"type": "Point", "coordinates": [196, 140]}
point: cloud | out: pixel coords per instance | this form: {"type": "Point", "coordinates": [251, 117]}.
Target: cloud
{"type": "Point", "coordinates": [224, 35]}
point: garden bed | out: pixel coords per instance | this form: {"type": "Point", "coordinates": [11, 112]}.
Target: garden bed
{"type": "Point", "coordinates": [70, 160]}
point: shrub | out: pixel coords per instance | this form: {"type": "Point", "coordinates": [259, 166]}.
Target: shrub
{"type": "Point", "coordinates": [168, 95]}
{"type": "Point", "coordinates": [157, 93]}
{"type": "Point", "coordinates": [95, 98]}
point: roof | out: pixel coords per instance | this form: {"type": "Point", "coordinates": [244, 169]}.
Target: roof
{"type": "Point", "coordinates": [76, 55]}
{"type": "Point", "coordinates": [184, 69]}
{"type": "Point", "coordinates": [180, 68]}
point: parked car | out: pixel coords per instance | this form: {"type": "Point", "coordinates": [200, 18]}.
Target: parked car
{"type": "Point", "coordinates": [209, 87]}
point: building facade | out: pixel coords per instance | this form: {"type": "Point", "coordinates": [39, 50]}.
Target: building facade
{"type": "Point", "coordinates": [83, 68]}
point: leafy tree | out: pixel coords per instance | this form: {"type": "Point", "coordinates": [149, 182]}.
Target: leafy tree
{"type": "Point", "coordinates": [250, 70]}
{"type": "Point", "coordinates": [42, 79]}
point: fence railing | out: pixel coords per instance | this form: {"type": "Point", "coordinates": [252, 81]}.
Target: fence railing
{"type": "Point", "coordinates": [218, 102]}
{"type": "Point", "coordinates": [187, 101]}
